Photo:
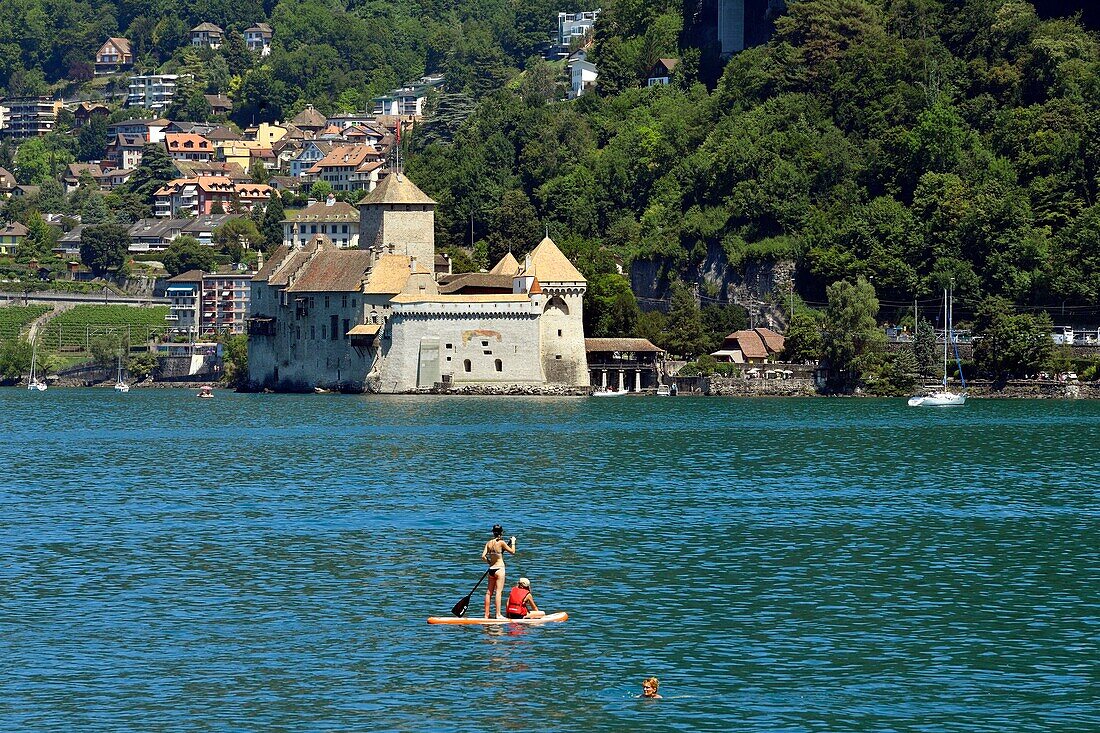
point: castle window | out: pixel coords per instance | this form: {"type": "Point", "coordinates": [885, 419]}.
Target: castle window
{"type": "Point", "coordinates": [559, 332]}
{"type": "Point", "coordinates": [327, 305]}
{"type": "Point", "coordinates": [499, 366]}
{"type": "Point", "coordinates": [484, 343]}
{"type": "Point", "coordinates": [313, 333]}
{"type": "Point", "coordinates": [466, 365]}
{"type": "Point", "coordinates": [450, 346]}
{"type": "Point", "coordinates": [324, 332]}
{"type": "Point", "coordinates": [488, 352]}
{"type": "Point", "coordinates": [557, 356]}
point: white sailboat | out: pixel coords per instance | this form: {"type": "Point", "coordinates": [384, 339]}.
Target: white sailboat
{"type": "Point", "coordinates": [35, 384]}
{"type": "Point", "coordinates": [121, 386]}
{"type": "Point", "coordinates": [944, 397]}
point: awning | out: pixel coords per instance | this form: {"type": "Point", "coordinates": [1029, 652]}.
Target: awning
{"type": "Point", "coordinates": [365, 329]}
{"type": "Point", "coordinates": [733, 355]}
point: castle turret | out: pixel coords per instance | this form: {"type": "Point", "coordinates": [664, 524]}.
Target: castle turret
{"type": "Point", "coordinates": [399, 218]}
{"type": "Point", "coordinates": [561, 327]}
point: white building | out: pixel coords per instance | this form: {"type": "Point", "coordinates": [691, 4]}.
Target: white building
{"type": "Point", "coordinates": [334, 219]}
{"type": "Point", "coordinates": [152, 91]}
{"type": "Point", "coordinates": [258, 38]}
{"type": "Point", "coordinates": [582, 75]}
{"type": "Point", "coordinates": [374, 318]}
{"type": "Point", "coordinates": [572, 26]}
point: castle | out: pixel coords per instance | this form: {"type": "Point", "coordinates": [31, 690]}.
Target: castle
{"type": "Point", "coordinates": [386, 318]}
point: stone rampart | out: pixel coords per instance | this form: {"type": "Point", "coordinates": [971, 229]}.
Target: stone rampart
{"type": "Point", "coordinates": [741, 387]}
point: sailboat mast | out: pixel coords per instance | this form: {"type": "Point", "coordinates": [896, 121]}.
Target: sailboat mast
{"type": "Point", "coordinates": [947, 328]}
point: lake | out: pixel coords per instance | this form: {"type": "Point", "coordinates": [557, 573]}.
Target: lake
{"type": "Point", "coordinates": [267, 562]}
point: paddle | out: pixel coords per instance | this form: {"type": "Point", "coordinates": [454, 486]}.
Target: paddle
{"type": "Point", "coordinates": [460, 607]}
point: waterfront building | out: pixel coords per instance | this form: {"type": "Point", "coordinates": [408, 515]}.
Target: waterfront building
{"type": "Point", "coordinates": [334, 219]}
{"type": "Point", "coordinates": [754, 346]}
{"type": "Point", "coordinates": [208, 302]}
{"type": "Point", "coordinates": [630, 364]}
{"type": "Point", "coordinates": [114, 55]}
{"type": "Point", "coordinates": [376, 318]}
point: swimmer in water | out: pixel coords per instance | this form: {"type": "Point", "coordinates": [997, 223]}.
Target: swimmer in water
{"type": "Point", "coordinates": [649, 688]}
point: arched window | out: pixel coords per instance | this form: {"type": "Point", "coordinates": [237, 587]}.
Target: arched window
{"type": "Point", "coordinates": [466, 365]}
{"type": "Point", "coordinates": [499, 366]}
{"type": "Point", "coordinates": [557, 303]}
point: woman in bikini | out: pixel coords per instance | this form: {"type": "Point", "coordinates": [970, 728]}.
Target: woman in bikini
{"type": "Point", "coordinates": [494, 555]}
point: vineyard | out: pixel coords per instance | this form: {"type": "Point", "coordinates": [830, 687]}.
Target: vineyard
{"type": "Point", "coordinates": [75, 330]}
{"type": "Point", "coordinates": [14, 318]}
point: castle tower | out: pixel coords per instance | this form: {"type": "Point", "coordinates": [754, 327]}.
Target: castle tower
{"type": "Point", "coordinates": [561, 326]}
{"type": "Point", "coordinates": [397, 216]}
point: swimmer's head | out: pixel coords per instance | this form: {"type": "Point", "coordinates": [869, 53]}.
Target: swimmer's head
{"type": "Point", "coordinates": [498, 530]}
{"type": "Point", "coordinates": [649, 686]}
{"type": "Point", "coordinates": [525, 583]}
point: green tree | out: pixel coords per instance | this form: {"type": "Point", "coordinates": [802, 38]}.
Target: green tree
{"type": "Point", "coordinates": [141, 365]}
{"type": "Point", "coordinates": [722, 320]}
{"type": "Point", "coordinates": [802, 343]}
{"type": "Point", "coordinates": [103, 248]}
{"type": "Point", "coordinates": [271, 227]}
{"type": "Point", "coordinates": [237, 235]}
{"type": "Point", "coordinates": [234, 359]}
{"type": "Point", "coordinates": [237, 56]}
{"type": "Point", "coordinates": [15, 358]}
{"type": "Point", "coordinates": [92, 140]}
{"type": "Point", "coordinates": [1007, 344]}
{"type": "Point", "coordinates": [41, 158]}
{"type": "Point", "coordinates": [186, 253]}
{"type": "Point", "coordinates": [157, 168]}
{"type": "Point", "coordinates": [852, 340]}
{"type": "Point", "coordinates": [925, 351]}
{"type": "Point", "coordinates": [684, 333]}
{"type": "Point", "coordinates": [40, 241]}
{"type": "Point", "coordinates": [610, 308]}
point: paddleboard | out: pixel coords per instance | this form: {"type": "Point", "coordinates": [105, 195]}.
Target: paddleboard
{"type": "Point", "coordinates": [453, 621]}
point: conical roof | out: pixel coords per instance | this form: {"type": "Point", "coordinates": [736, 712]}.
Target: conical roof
{"type": "Point", "coordinates": [549, 265]}
{"type": "Point", "coordinates": [506, 266]}
{"type": "Point", "coordinates": [396, 188]}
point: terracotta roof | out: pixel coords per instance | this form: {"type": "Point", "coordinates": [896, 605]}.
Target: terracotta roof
{"type": "Point", "coordinates": [389, 275]}
{"type": "Point", "coordinates": [122, 44]}
{"type": "Point", "coordinates": [749, 342]}
{"type": "Point", "coordinates": [621, 344]}
{"type": "Point", "coordinates": [479, 281]}
{"type": "Point", "coordinates": [771, 339]}
{"type": "Point", "coordinates": [321, 211]}
{"type": "Point", "coordinates": [549, 265]}
{"type": "Point", "coordinates": [309, 118]}
{"type": "Point", "coordinates": [333, 270]}
{"type": "Point", "coordinates": [294, 261]}
{"type": "Point", "coordinates": [253, 190]}
{"type": "Point", "coordinates": [365, 329]}
{"type": "Point", "coordinates": [361, 157]}
{"type": "Point", "coordinates": [506, 266]}
{"type": "Point", "coordinates": [187, 142]}
{"type": "Point", "coordinates": [396, 188]}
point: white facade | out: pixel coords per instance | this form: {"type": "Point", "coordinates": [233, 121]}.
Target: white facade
{"type": "Point", "coordinates": [152, 91]}
{"type": "Point", "coordinates": [582, 75]}
{"type": "Point", "coordinates": [575, 25]}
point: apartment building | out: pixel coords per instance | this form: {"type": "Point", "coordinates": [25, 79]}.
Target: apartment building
{"type": "Point", "coordinates": [335, 219]}
{"type": "Point", "coordinates": [153, 91]}
{"type": "Point", "coordinates": [30, 117]}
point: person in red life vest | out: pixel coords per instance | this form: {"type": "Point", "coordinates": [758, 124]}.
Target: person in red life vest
{"type": "Point", "coordinates": [521, 604]}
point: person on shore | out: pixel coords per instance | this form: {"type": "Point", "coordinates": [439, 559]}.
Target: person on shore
{"type": "Point", "coordinates": [649, 688]}
{"type": "Point", "coordinates": [521, 604]}
{"type": "Point", "coordinates": [494, 555]}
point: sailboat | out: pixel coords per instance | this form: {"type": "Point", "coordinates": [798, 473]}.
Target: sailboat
{"type": "Point", "coordinates": [121, 386]}
{"type": "Point", "coordinates": [944, 397]}
{"type": "Point", "coordinates": [35, 384]}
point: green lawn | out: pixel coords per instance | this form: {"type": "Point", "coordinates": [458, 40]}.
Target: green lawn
{"type": "Point", "coordinates": [13, 318]}
{"type": "Point", "coordinates": [74, 329]}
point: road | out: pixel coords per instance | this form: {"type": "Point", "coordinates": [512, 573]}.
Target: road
{"type": "Point", "coordinates": [110, 298]}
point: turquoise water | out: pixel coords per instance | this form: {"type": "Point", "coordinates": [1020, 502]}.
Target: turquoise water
{"type": "Point", "coordinates": [267, 563]}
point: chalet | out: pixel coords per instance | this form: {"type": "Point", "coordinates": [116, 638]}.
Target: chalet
{"type": "Point", "coordinates": [68, 244]}
{"type": "Point", "coordinates": [348, 168]}
{"type": "Point", "coordinates": [335, 219]}
{"type": "Point", "coordinates": [661, 73]}
{"type": "Point", "coordinates": [188, 146]}
{"type": "Point", "coordinates": [258, 38]}
{"type": "Point", "coordinates": [114, 55]}
{"type": "Point", "coordinates": [220, 105]}
{"type": "Point", "coordinates": [7, 183]}
{"type": "Point", "coordinates": [310, 153]}
{"type": "Point", "coordinates": [85, 111]}
{"type": "Point", "coordinates": [154, 235]}
{"type": "Point", "coordinates": [12, 235]}
{"type": "Point", "coordinates": [755, 346]}
{"type": "Point", "coordinates": [207, 34]}
{"type": "Point", "coordinates": [74, 172]}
